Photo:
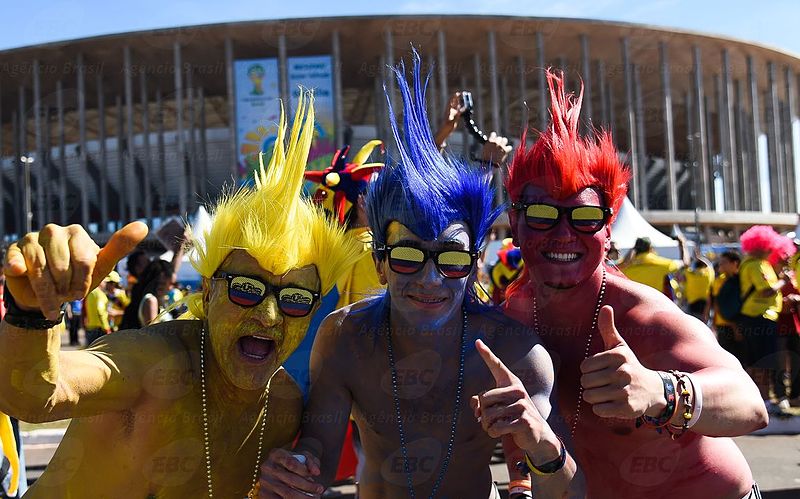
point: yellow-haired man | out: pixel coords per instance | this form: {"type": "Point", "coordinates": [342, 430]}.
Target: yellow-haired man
{"type": "Point", "coordinates": [184, 408]}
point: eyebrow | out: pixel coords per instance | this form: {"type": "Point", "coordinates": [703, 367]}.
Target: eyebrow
{"type": "Point", "coordinates": [448, 244]}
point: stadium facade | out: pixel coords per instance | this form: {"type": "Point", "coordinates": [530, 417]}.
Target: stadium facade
{"type": "Point", "coordinates": [148, 124]}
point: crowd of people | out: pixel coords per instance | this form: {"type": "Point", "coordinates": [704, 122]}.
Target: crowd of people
{"type": "Point", "coordinates": [356, 317]}
{"type": "Point", "coordinates": [755, 316]}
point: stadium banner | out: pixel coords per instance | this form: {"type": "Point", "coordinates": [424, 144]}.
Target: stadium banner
{"type": "Point", "coordinates": [316, 73]}
{"type": "Point", "coordinates": [257, 111]}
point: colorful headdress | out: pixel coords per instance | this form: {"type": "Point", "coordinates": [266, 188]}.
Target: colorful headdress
{"type": "Point", "coordinates": [277, 226]}
{"type": "Point", "coordinates": [562, 161]}
{"type": "Point", "coordinates": [424, 190]}
{"type": "Point", "coordinates": [343, 181]}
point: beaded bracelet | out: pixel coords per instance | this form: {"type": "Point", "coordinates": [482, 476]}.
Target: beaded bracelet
{"type": "Point", "coordinates": [697, 400]}
{"type": "Point", "coordinates": [676, 431]}
{"type": "Point", "coordinates": [669, 410]}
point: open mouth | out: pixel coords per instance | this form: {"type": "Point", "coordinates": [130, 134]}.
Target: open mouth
{"type": "Point", "coordinates": [256, 348]}
{"type": "Point", "coordinates": [561, 256]}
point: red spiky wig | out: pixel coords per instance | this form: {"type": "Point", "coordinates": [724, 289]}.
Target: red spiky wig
{"type": "Point", "coordinates": [562, 161]}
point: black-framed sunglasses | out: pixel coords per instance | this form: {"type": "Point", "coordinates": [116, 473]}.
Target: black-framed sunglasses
{"type": "Point", "coordinates": [248, 291]}
{"type": "Point", "coordinates": [452, 264]}
{"type": "Point", "coordinates": [584, 218]}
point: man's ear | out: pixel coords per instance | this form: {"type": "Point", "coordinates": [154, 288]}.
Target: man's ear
{"type": "Point", "coordinates": [379, 269]}
{"type": "Point", "coordinates": [512, 220]}
{"type": "Point", "coordinates": [206, 292]}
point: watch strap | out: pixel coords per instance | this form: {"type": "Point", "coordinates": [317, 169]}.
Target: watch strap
{"type": "Point", "coordinates": [28, 319]}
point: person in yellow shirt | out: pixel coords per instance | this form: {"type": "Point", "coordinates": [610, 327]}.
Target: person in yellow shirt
{"type": "Point", "coordinates": [118, 299]}
{"type": "Point", "coordinates": [647, 267]}
{"type": "Point", "coordinates": [698, 279]}
{"type": "Point", "coordinates": [758, 321]}
{"type": "Point", "coordinates": [96, 313]}
{"type": "Point", "coordinates": [727, 335]}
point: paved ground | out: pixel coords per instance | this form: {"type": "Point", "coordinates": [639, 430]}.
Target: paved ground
{"type": "Point", "coordinates": [774, 459]}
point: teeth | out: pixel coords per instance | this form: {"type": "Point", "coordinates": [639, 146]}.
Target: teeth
{"type": "Point", "coordinates": [562, 257]}
{"type": "Point", "coordinates": [427, 300]}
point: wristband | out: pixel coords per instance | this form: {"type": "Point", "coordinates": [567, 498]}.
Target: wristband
{"type": "Point", "coordinates": [669, 410]}
{"type": "Point", "coordinates": [545, 469]}
{"type": "Point", "coordinates": [519, 488]}
{"type": "Point", "coordinates": [28, 319]}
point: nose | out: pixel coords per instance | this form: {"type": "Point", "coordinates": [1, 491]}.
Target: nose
{"type": "Point", "coordinates": [268, 313]}
{"type": "Point", "coordinates": [562, 231]}
{"type": "Point", "coordinates": [429, 276]}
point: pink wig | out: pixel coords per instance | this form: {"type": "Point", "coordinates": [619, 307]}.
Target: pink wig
{"type": "Point", "coordinates": [562, 161]}
{"type": "Point", "coordinates": [783, 249]}
{"type": "Point", "coordinates": [759, 238]}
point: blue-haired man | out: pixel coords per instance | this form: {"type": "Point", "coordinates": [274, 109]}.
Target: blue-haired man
{"type": "Point", "coordinates": [423, 366]}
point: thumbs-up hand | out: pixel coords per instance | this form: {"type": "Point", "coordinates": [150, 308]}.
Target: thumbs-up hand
{"type": "Point", "coordinates": [507, 410]}
{"type": "Point", "coordinates": [48, 268]}
{"type": "Point", "coordinates": [615, 382]}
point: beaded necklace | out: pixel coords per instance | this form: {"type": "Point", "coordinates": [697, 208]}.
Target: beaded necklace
{"type": "Point", "coordinates": [456, 407]}
{"type": "Point", "coordinates": [597, 308]}
{"type": "Point", "coordinates": [253, 493]}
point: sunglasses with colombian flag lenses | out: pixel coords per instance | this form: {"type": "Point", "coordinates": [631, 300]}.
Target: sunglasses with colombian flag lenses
{"type": "Point", "coordinates": [584, 218]}
{"type": "Point", "coordinates": [248, 291]}
{"type": "Point", "coordinates": [452, 264]}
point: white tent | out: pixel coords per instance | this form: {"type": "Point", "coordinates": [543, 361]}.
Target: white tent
{"type": "Point", "coordinates": [630, 225]}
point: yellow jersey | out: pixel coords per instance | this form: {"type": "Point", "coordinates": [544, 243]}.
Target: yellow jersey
{"type": "Point", "coordinates": [96, 310]}
{"type": "Point", "coordinates": [698, 283]}
{"type": "Point", "coordinates": [650, 269]}
{"type": "Point", "coordinates": [759, 275]}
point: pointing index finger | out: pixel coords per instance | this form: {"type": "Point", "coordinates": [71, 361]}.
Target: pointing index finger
{"type": "Point", "coordinates": [502, 375]}
{"type": "Point", "coordinates": [121, 243]}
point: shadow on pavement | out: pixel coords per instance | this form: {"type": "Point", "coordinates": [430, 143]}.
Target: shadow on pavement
{"type": "Point", "coordinates": [781, 494]}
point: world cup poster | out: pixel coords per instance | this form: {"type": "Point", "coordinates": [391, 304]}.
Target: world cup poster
{"type": "Point", "coordinates": [257, 111]}
{"type": "Point", "coordinates": [315, 73]}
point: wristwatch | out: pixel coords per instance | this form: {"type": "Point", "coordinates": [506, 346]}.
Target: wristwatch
{"type": "Point", "coordinates": [28, 319]}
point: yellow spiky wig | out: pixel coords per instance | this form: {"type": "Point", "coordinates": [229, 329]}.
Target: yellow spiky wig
{"type": "Point", "coordinates": [273, 221]}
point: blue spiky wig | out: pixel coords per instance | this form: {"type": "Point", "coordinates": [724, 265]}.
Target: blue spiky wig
{"type": "Point", "coordinates": [422, 189]}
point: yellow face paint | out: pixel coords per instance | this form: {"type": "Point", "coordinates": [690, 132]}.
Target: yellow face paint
{"type": "Point", "coordinates": [251, 342]}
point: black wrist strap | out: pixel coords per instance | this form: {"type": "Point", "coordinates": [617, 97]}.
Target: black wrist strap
{"type": "Point", "coordinates": [527, 467]}
{"type": "Point", "coordinates": [28, 319]}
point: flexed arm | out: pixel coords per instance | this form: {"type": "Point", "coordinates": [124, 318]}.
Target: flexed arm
{"type": "Point", "coordinates": [38, 382]}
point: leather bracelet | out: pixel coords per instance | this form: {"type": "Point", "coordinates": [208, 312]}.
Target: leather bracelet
{"type": "Point", "coordinates": [28, 319]}
{"type": "Point", "coordinates": [669, 410]}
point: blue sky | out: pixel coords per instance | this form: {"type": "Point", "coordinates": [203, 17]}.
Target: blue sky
{"type": "Point", "coordinates": [27, 22]}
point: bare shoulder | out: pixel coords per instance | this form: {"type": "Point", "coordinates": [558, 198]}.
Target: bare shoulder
{"type": "Point", "coordinates": [350, 325]}
{"type": "Point", "coordinates": [504, 334]}
{"type": "Point", "coordinates": [655, 328]}
{"type": "Point", "coordinates": [639, 306]}
{"type": "Point", "coordinates": [346, 335]}
{"type": "Point", "coordinates": [518, 346]}
{"type": "Point", "coordinates": [166, 342]}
